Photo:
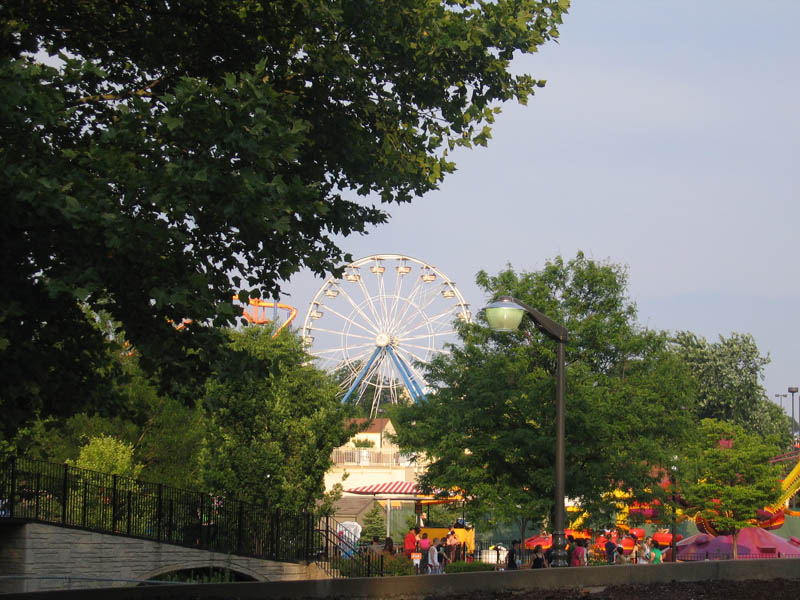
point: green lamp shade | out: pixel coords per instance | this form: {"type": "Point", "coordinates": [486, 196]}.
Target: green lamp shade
{"type": "Point", "coordinates": [504, 316]}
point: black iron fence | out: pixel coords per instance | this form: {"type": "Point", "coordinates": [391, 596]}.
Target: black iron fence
{"type": "Point", "coordinates": [62, 495]}
{"type": "Point", "coordinates": [685, 557]}
{"type": "Point", "coordinates": [341, 556]}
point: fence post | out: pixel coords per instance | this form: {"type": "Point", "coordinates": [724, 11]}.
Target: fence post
{"type": "Point", "coordinates": [64, 489]}
{"type": "Point", "coordinates": [171, 518]}
{"type": "Point", "coordinates": [85, 502]}
{"type": "Point", "coordinates": [38, 485]}
{"type": "Point", "coordinates": [129, 499]}
{"type": "Point", "coordinates": [309, 541]}
{"type": "Point", "coordinates": [239, 526]}
{"type": "Point", "coordinates": [158, 512]}
{"type": "Point", "coordinates": [113, 503]}
{"type": "Point", "coordinates": [12, 492]}
{"type": "Point", "coordinates": [200, 531]}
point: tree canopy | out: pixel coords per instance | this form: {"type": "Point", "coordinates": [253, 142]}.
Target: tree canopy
{"type": "Point", "coordinates": [272, 422]}
{"type": "Point", "coordinates": [727, 476]}
{"type": "Point", "coordinates": [728, 374]}
{"type": "Point", "coordinates": [488, 428]}
{"type": "Point", "coordinates": [179, 152]}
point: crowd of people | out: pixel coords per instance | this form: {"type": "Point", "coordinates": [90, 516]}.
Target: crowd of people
{"type": "Point", "coordinates": [430, 555]}
{"type": "Point", "coordinates": [433, 555]}
{"type": "Point", "coordinates": [645, 551]}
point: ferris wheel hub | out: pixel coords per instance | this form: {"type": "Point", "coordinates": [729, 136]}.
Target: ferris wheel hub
{"type": "Point", "coordinates": [383, 339]}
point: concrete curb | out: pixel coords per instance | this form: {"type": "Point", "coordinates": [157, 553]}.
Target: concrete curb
{"type": "Point", "coordinates": [588, 578]}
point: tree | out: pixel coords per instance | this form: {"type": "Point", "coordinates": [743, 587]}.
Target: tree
{"type": "Point", "coordinates": [728, 477]}
{"type": "Point", "coordinates": [728, 375]}
{"type": "Point", "coordinates": [182, 151]}
{"type": "Point", "coordinates": [374, 524]}
{"type": "Point", "coordinates": [488, 426]}
{"type": "Point", "coordinates": [107, 454]}
{"type": "Point", "coordinates": [165, 433]}
{"type": "Point", "coordinates": [273, 421]}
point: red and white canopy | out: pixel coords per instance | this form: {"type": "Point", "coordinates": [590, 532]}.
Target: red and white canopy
{"type": "Point", "coordinates": [406, 488]}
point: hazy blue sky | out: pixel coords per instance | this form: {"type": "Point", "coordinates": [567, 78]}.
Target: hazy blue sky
{"type": "Point", "coordinates": [667, 140]}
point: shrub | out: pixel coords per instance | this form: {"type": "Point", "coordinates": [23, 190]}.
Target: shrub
{"type": "Point", "coordinates": [469, 567]}
{"type": "Point", "coordinates": [397, 565]}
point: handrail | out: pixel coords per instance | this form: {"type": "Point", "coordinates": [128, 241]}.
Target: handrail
{"type": "Point", "coordinates": [340, 558]}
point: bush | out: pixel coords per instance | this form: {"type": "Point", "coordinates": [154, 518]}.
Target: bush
{"type": "Point", "coordinates": [469, 567]}
{"type": "Point", "coordinates": [397, 565]}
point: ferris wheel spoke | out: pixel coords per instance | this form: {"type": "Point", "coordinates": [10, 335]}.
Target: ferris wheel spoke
{"type": "Point", "coordinates": [342, 349]}
{"type": "Point", "coordinates": [381, 298]}
{"type": "Point", "coordinates": [410, 299]}
{"type": "Point", "coordinates": [333, 331]}
{"type": "Point", "coordinates": [409, 354]}
{"type": "Point", "coordinates": [435, 320]}
{"type": "Point", "coordinates": [368, 297]}
{"type": "Point", "coordinates": [427, 299]}
{"type": "Point", "coordinates": [428, 349]}
{"type": "Point", "coordinates": [424, 336]}
{"type": "Point", "coordinates": [397, 289]}
{"type": "Point", "coordinates": [351, 321]}
{"type": "Point", "coordinates": [356, 307]}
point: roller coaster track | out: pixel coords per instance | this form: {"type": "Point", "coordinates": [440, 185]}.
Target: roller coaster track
{"type": "Point", "coordinates": [790, 486]}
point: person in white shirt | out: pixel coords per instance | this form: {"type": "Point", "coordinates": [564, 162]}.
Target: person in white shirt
{"type": "Point", "coordinates": [433, 558]}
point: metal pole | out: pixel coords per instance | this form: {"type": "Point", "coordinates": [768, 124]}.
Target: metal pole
{"type": "Point", "coordinates": [559, 552]}
{"type": "Point", "coordinates": [388, 518]}
{"type": "Point", "coordinates": [558, 333]}
{"type": "Point", "coordinates": [793, 390]}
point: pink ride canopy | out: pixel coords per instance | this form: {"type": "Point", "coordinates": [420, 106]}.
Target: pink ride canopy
{"type": "Point", "coordinates": [753, 542]}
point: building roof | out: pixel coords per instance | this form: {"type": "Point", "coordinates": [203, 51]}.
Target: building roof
{"type": "Point", "coordinates": [376, 426]}
{"type": "Point", "coordinates": [351, 506]}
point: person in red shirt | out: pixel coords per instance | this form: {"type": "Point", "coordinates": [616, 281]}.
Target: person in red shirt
{"type": "Point", "coordinates": [411, 540]}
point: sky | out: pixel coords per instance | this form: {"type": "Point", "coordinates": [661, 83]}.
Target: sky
{"type": "Point", "coordinates": [666, 140]}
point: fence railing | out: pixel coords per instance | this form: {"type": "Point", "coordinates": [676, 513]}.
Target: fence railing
{"type": "Point", "coordinates": [729, 556]}
{"type": "Point", "coordinates": [367, 456]}
{"type": "Point", "coordinates": [59, 494]}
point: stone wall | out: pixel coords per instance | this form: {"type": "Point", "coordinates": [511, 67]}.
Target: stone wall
{"type": "Point", "coordinates": [37, 551]}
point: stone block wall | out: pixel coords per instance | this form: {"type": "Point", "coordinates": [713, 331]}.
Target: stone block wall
{"type": "Point", "coordinates": [39, 557]}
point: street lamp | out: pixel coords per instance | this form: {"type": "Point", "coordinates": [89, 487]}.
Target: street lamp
{"type": "Point", "coordinates": [792, 391]}
{"type": "Point", "coordinates": [505, 315]}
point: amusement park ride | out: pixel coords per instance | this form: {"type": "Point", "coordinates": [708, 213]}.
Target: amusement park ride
{"type": "Point", "coordinates": [769, 519]}
{"type": "Point", "coordinates": [376, 325]}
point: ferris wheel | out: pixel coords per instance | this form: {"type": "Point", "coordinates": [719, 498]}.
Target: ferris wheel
{"type": "Point", "coordinates": [372, 326]}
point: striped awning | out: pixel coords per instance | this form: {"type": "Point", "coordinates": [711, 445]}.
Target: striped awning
{"type": "Point", "coordinates": [408, 488]}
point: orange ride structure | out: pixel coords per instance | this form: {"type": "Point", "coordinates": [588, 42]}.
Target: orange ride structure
{"type": "Point", "coordinates": [257, 312]}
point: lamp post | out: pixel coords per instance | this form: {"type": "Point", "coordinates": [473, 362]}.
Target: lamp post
{"type": "Point", "coordinates": [505, 315]}
{"type": "Point", "coordinates": [792, 390]}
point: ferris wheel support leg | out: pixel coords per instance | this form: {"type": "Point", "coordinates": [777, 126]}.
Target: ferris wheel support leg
{"type": "Point", "coordinates": [361, 375]}
{"type": "Point", "coordinates": [408, 378]}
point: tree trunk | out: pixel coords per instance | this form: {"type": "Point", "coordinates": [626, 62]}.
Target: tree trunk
{"type": "Point", "coordinates": [736, 544]}
{"type": "Point", "coordinates": [523, 526]}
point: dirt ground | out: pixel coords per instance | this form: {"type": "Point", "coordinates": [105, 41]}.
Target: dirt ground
{"type": "Point", "coordinates": [777, 589]}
